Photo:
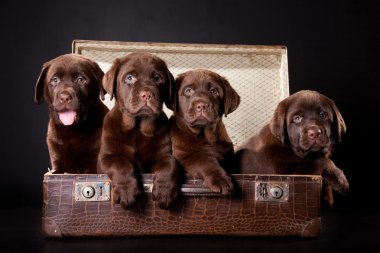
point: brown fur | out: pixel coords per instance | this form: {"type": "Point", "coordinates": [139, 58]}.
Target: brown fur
{"type": "Point", "coordinates": [200, 140]}
{"type": "Point", "coordinates": [72, 82]}
{"type": "Point", "coordinates": [298, 140]}
{"type": "Point", "coordinates": [136, 131]}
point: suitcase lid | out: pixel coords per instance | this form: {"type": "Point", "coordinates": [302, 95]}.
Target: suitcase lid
{"type": "Point", "coordinates": [259, 74]}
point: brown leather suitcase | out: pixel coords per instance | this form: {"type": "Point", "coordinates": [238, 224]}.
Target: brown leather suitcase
{"type": "Point", "coordinates": [265, 205]}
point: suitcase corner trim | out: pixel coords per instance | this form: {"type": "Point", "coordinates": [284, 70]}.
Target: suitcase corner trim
{"type": "Point", "coordinates": [312, 229]}
{"type": "Point", "coordinates": [50, 228]}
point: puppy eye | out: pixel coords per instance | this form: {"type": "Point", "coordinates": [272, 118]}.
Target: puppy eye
{"type": "Point", "coordinates": [80, 80]}
{"type": "Point", "coordinates": [55, 80]}
{"type": "Point", "coordinates": [297, 119]}
{"type": "Point", "coordinates": [188, 91]}
{"type": "Point", "coordinates": [322, 115]}
{"type": "Point", "coordinates": [157, 78]}
{"type": "Point", "coordinates": [130, 79]}
{"type": "Point", "coordinates": [214, 91]}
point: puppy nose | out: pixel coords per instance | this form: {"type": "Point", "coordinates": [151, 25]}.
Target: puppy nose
{"type": "Point", "coordinates": [65, 98]}
{"type": "Point", "coordinates": [146, 95]}
{"type": "Point", "coordinates": [201, 106]}
{"type": "Point", "coordinates": [314, 133]}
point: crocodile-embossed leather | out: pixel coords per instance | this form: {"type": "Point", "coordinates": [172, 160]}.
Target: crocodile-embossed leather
{"type": "Point", "coordinates": [241, 215]}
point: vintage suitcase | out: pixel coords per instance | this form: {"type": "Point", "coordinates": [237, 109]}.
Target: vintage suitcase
{"type": "Point", "coordinates": [265, 205]}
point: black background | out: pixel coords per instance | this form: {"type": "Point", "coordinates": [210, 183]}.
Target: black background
{"type": "Point", "coordinates": [333, 47]}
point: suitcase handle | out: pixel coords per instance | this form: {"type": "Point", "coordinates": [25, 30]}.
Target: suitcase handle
{"type": "Point", "coordinates": [188, 190]}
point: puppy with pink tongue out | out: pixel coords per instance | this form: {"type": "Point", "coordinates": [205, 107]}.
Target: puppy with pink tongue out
{"type": "Point", "coordinates": [71, 85]}
{"type": "Point", "coordinates": [67, 117]}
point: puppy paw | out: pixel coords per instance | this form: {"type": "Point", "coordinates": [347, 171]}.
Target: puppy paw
{"type": "Point", "coordinates": [126, 194]}
{"type": "Point", "coordinates": [338, 181]}
{"type": "Point", "coordinates": [164, 192]}
{"type": "Point", "coordinates": [328, 196]}
{"type": "Point", "coordinates": [220, 183]}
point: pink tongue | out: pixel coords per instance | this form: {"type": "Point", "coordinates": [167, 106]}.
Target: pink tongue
{"type": "Point", "coordinates": [67, 117]}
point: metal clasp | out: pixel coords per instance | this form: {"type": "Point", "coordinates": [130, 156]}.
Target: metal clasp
{"type": "Point", "coordinates": [92, 191]}
{"type": "Point", "coordinates": [272, 191]}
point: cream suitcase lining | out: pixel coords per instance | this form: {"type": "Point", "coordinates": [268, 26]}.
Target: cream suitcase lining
{"type": "Point", "coordinates": [258, 73]}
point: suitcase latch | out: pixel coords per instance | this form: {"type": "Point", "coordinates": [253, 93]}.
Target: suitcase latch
{"type": "Point", "coordinates": [92, 191]}
{"type": "Point", "coordinates": [272, 191]}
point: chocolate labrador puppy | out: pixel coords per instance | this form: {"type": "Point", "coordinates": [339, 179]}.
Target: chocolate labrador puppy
{"type": "Point", "coordinates": [199, 138]}
{"type": "Point", "coordinates": [298, 140]}
{"type": "Point", "coordinates": [136, 131]}
{"type": "Point", "coordinates": [71, 85]}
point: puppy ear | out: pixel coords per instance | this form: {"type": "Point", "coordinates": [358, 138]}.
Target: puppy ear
{"type": "Point", "coordinates": [110, 78]}
{"type": "Point", "coordinates": [277, 124]}
{"type": "Point", "coordinates": [231, 99]}
{"type": "Point", "coordinates": [339, 126]}
{"type": "Point", "coordinates": [172, 104]}
{"type": "Point", "coordinates": [39, 90]}
{"type": "Point", "coordinates": [169, 89]}
{"type": "Point", "coordinates": [98, 73]}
